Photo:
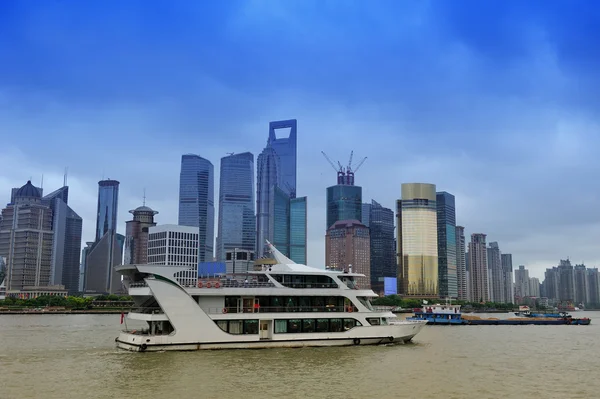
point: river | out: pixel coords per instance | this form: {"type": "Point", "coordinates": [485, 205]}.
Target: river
{"type": "Point", "coordinates": [74, 356]}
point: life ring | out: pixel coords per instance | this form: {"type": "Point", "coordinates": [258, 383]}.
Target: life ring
{"type": "Point", "coordinates": [356, 341]}
{"type": "Point", "coordinates": [208, 285]}
{"type": "Point", "coordinates": [224, 310]}
{"type": "Point", "coordinates": [143, 347]}
{"type": "Point", "coordinates": [217, 285]}
{"type": "Point", "coordinates": [350, 309]}
{"type": "Point", "coordinates": [199, 284]}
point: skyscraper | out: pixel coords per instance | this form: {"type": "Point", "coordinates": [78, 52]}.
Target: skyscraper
{"type": "Point", "coordinates": [276, 167]}
{"type": "Point", "coordinates": [288, 225]}
{"type": "Point", "coordinates": [298, 229]}
{"type": "Point", "coordinates": [507, 277]}
{"type": "Point", "coordinates": [108, 201]}
{"type": "Point", "coordinates": [344, 202]}
{"type": "Point", "coordinates": [197, 201]}
{"type": "Point", "coordinates": [347, 245]}
{"type": "Point", "coordinates": [417, 255]}
{"type": "Point", "coordinates": [107, 250]}
{"type": "Point", "coordinates": [566, 281]}
{"type": "Point", "coordinates": [593, 284]}
{"type": "Point", "coordinates": [237, 220]}
{"type": "Point", "coordinates": [495, 280]}
{"type": "Point", "coordinates": [461, 264]}
{"type": "Point", "coordinates": [581, 286]}
{"type": "Point", "coordinates": [446, 231]}
{"type": "Point", "coordinates": [380, 222]}
{"type": "Point", "coordinates": [478, 271]}
{"type": "Point", "coordinates": [521, 283]}
{"type": "Point", "coordinates": [26, 240]}
{"type": "Point", "coordinates": [66, 243]}
{"type": "Point", "coordinates": [136, 235]}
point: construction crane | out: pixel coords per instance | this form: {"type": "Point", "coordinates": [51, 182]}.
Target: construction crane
{"type": "Point", "coordinates": [230, 153]}
{"type": "Point", "coordinates": [360, 164]}
{"type": "Point", "coordinates": [330, 162]}
{"type": "Point", "coordinates": [341, 174]}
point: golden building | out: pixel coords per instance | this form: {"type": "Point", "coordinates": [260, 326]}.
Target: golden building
{"type": "Point", "coordinates": [417, 255]}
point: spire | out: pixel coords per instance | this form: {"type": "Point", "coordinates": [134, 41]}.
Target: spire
{"type": "Point", "coordinates": [144, 196]}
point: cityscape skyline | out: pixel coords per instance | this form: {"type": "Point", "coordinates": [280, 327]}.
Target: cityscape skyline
{"type": "Point", "coordinates": [493, 98]}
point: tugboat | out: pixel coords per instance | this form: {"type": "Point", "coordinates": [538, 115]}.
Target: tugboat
{"type": "Point", "coordinates": [439, 314]}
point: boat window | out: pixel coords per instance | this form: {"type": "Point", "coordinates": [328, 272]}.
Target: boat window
{"type": "Point", "coordinates": [305, 281]}
{"type": "Point", "coordinates": [280, 326]}
{"type": "Point", "coordinates": [235, 327]}
{"type": "Point", "coordinates": [322, 325]}
{"type": "Point", "coordinates": [294, 326]}
{"type": "Point", "coordinates": [374, 321]}
{"type": "Point", "coordinates": [335, 325]}
{"type": "Point", "coordinates": [384, 321]}
{"type": "Point", "coordinates": [349, 281]}
{"type": "Point", "coordinates": [222, 325]}
{"type": "Point", "coordinates": [308, 325]}
{"type": "Point", "coordinates": [250, 326]}
{"type": "Point", "coordinates": [366, 302]}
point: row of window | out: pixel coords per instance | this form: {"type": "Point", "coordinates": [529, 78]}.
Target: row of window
{"type": "Point", "coordinates": [292, 326]}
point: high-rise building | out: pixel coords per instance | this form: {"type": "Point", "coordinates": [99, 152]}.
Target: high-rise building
{"type": "Point", "coordinates": [82, 273]}
{"type": "Point", "coordinates": [593, 285]}
{"type": "Point", "coordinates": [288, 225]}
{"type": "Point", "coordinates": [26, 240]}
{"type": "Point", "coordinates": [521, 283]}
{"type": "Point", "coordinates": [507, 277]}
{"type": "Point", "coordinates": [495, 280]}
{"type": "Point", "coordinates": [173, 245]}
{"type": "Point", "coordinates": [344, 202]}
{"type": "Point", "coordinates": [237, 219]}
{"type": "Point", "coordinates": [461, 264]}
{"type": "Point", "coordinates": [276, 167]}
{"type": "Point", "coordinates": [108, 201]}
{"type": "Point", "coordinates": [417, 255]}
{"type": "Point", "coordinates": [107, 250]}
{"type": "Point", "coordinates": [66, 243]}
{"type": "Point", "coordinates": [347, 245]}
{"type": "Point", "coordinates": [550, 285]}
{"type": "Point", "coordinates": [534, 287]}
{"type": "Point", "coordinates": [197, 201]}
{"type": "Point", "coordinates": [478, 271]}
{"type": "Point", "coordinates": [446, 230]}
{"type": "Point", "coordinates": [580, 281]}
{"type": "Point", "coordinates": [14, 191]}
{"type": "Point", "coordinates": [566, 281]}
{"type": "Point", "coordinates": [380, 222]}
{"type": "Point", "coordinates": [136, 235]}
{"type": "Point", "coordinates": [298, 229]}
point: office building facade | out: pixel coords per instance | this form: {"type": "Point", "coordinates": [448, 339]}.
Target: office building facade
{"type": "Point", "coordinates": [108, 203]}
{"type": "Point", "coordinates": [136, 235]}
{"type": "Point", "coordinates": [197, 201]}
{"type": "Point", "coordinates": [478, 269]}
{"type": "Point", "coordinates": [347, 246]}
{"type": "Point", "coordinates": [461, 264]}
{"type": "Point", "coordinates": [173, 245]}
{"type": "Point", "coordinates": [237, 219]}
{"type": "Point", "coordinates": [380, 221]}
{"type": "Point", "coordinates": [26, 239]}
{"type": "Point", "coordinates": [417, 255]}
{"type": "Point", "coordinates": [446, 231]}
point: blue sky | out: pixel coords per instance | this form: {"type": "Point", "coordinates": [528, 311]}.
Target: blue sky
{"type": "Point", "coordinates": [495, 102]}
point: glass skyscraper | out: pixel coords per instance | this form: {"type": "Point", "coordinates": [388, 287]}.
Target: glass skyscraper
{"type": "Point", "coordinates": [417, 241]}
{"type": "Point", "coordinates": [108, 201]}
{"type": "Point", "coordinates": [66, 242]}
{"type": "Point", "coordinates": [446, 231]}
{"type": "Point", "coordinates": [197, 201]}
{"type": "Point", "coordinates": [237, 221]}
{"type": "Point", "coordinates": [276, 167]}
{"type": "Point", "coordinates": [288, 225]}
{"type": "Point", "coordinates": [380, 222]}
{"type": "Point", "coordinates": [298, 228]}
{"type": "Point", "coordinates": [344, 202]}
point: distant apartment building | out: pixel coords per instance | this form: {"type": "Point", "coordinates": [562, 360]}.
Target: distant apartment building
{"type": "Point", "coordinates": [581, 284]}
{"type": "Point", "coordinates": [446, 231]}
{"type": "Point", "coordinates": [197, 201]}
{"type": "Point", "coordinates": [507, 277]}
{"type": "Point", "coordinates": [136, 235]}
{"type": "Point", "coordinates": [593, 286]}
{"type": "Point", "coordinates": [173, 245]}
{"type": "Point", "coordinates": [461, 264]}
{"type": "Point", "coordinates": [347, 245]}
{"type": "Point", "coordinates": [237, 218]}
{"type": "Point", "coordinates": [566, 281]}
{"type": "Point", "coordinates": [495, 280]}
{"type": "Point", "coordinates": [380, 221]}
{"type": "Point", "coordinates": [521, 282]}
{"type": "Point", "coordinates": [478, 270]}
{"type": "Point", "coordinates": [534, 287]}
{"type": "Point", "coordinates": [275, 168]}
{"type": "Point", "coordinates": [417, 250]}
{"type": "Point", "coordinates": [26, 239]}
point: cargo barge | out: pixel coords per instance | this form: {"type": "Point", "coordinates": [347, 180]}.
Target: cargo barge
{"type": "Point", "coordinates": [451, 315]}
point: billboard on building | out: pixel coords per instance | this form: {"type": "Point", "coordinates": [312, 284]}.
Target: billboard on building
{"type": "Point", "coordinates": [389, 286]}
{"type": "Point", "coordinates": [211, 268]}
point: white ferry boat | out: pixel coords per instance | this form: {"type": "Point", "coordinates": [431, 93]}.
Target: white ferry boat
{"type": "Point", "coordinates": [282, 304]}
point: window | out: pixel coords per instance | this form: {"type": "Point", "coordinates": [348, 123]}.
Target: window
{"type": "Point", "coordinates": [235, 327]}
{"type": "Point", "coordinates": [374, 321]}
{"type": "Point", "coordinates": [250, 326]}
{"type": "Point", "coordinates": [322, 325]}
{"type": "Point", "coordinates": [280, 326]}
{"type": "Point", "coordinates": [335, 325]}
{"type": "Point", "coordinates": [308, 325]}
{"type": "Point", "coordinates": [222, 325]}
{"type": "Point", "coordinates": [294, 326]}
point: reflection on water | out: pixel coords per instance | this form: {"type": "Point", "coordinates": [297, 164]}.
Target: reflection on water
{"type": "Point", "coordinates": [73, 356]}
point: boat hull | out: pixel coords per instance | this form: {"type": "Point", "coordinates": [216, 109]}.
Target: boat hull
{"type": "Point", "coordinates": [375, 335]}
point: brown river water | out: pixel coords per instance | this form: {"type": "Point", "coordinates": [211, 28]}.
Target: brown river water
{"type": "Point", "coordinates": [74, 356]}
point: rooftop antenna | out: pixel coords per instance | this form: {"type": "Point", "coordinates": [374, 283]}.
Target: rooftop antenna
{"type": "Point", "coordinates": [230, 153]}
{"type": "Point", "coordinates": [65, 176]}
{"type": "Point", "coordinates": [42, 183]}
{"type": "Point", "coordinates": [144, 196]}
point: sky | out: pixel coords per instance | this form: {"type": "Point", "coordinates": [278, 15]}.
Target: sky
{"type": "Point", "coordinates": [495, 102]}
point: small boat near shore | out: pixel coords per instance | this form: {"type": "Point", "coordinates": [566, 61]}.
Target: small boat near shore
{"type": "Point", "coordinates": [451, 315]}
